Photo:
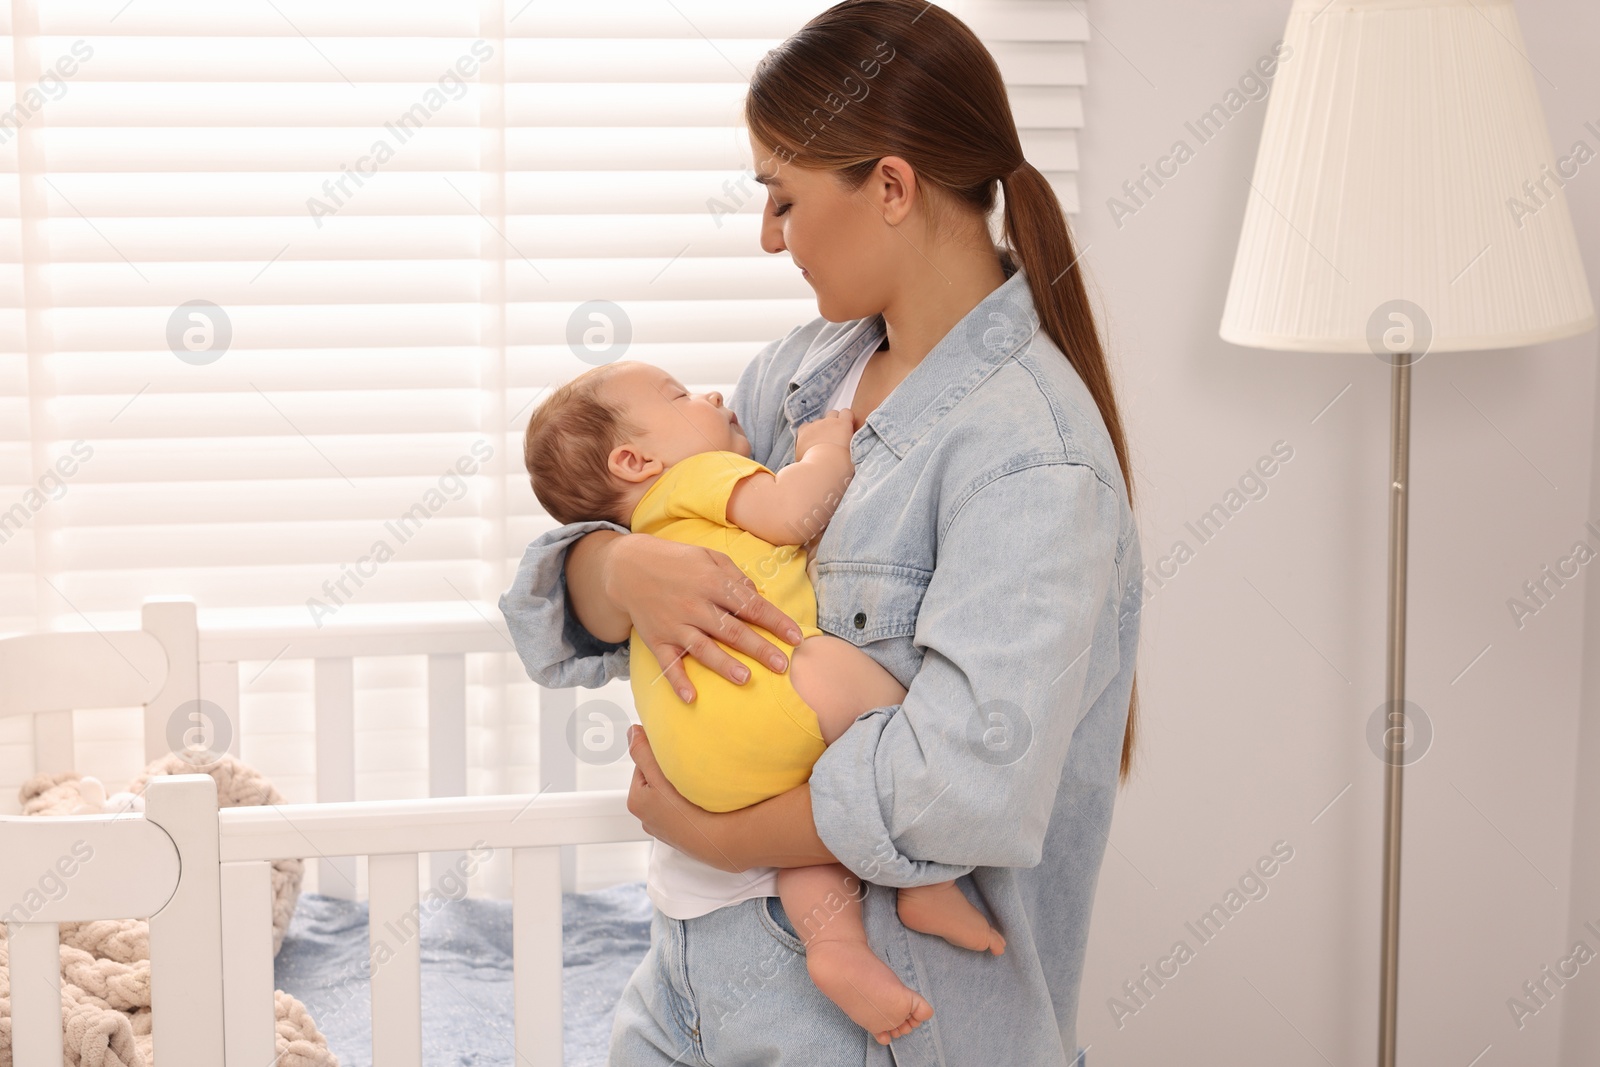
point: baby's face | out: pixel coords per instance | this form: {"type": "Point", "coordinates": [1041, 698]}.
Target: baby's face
{"type": "Point", "coordinates": [677, 424]}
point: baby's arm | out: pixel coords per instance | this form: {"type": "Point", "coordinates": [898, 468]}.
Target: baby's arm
{"type": "Point", "coordinates": [790, 507]}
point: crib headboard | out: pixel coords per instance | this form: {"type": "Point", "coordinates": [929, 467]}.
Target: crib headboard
{"type": "Point", "coordinates": [162, 865]}
{"type": "Point", "coordinates": [49, 676]}
{"type": "Point", "coordinates": [169, 663]}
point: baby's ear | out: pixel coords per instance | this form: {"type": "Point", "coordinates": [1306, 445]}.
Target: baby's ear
{"type": "Point", "coordinates": [628, 462]}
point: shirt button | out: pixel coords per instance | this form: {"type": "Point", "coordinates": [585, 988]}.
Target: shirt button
{"type": "Point", "coordinates": [861, 620]}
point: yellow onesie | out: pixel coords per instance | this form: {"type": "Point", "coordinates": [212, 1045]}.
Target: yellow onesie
{"type": "Point", "coordinates": [736, 744]}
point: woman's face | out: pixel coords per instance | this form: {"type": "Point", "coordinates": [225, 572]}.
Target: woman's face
{"type": "Point", "coordinates": [844, 242]}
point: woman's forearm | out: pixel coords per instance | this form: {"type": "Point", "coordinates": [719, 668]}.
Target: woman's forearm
{"type": "Point", "coordinates": [778, 832]}
{"type": "Point", "coordinates": [586, 593]}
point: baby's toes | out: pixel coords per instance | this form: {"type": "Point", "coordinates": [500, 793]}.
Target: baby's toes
{"type": "Point", "coordinates": [921, 1012]}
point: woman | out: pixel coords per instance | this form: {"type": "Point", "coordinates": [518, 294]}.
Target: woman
{"type": "Point", "coordinates": [985, 553]}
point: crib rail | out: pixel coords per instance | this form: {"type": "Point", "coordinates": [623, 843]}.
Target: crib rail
{"type": "Point", "coordinates": [170, 662]}
{"type": "Point", "coordinates": [204, 879]}
{"type": "Point", "coordinates": [379, 827]}
{"type": "Point", "coordinates": [334, 650]}
{"type": "Point", "coordinates": [391, 834]}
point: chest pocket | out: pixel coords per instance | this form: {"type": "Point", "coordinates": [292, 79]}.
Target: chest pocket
{"type": "Point", "coordinates": [865, 602]}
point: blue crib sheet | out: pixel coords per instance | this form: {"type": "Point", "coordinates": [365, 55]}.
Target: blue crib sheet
{"type": "Point", "coordinates": [466, 974]}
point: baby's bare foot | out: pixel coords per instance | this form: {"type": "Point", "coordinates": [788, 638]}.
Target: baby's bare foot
{"type": "Point", "coordinates": [851, 976]}
{"type": "Point", "coordinates": [944, 911]}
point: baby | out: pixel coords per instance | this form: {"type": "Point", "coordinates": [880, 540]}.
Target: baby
{"type": "Point", "coordinates": [626, 442]}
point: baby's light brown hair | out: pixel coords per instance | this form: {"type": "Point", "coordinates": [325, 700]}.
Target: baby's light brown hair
{"type": "Point", "coordinates": [569, 438]}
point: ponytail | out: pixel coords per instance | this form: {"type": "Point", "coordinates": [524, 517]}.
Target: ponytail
{"type": "Point", "coordinates": [1036, 229]}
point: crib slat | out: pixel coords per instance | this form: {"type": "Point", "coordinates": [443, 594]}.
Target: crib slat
{"type": "Point", "coordinates": [558, 763]}
{"type": "Point", "coordinates": [447, 725]}
{"type": "Point", "coordinates": [394, 917]}
{"type": "Point", "coordinates": [249, 1021]}
{"type": "Point", "coordinates": [35, 994]}
{"type": "Point", "coordinates": [219, 683]}
{"type": "Point", "coordinates": [336, 762]}
{"type": "Point", "coordinates": [447, 740]}
{"type": "Point", "coordinates": [52, 742]}
{"type": "Point", "coordinates": [536, 954]}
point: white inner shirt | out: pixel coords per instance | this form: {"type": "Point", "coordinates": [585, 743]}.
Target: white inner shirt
{"type": "Point", "coordinates": [844, 394]}
{"type": "Point", "coordinates": [683, 887]}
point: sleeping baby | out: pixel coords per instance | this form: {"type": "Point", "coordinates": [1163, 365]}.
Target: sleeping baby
{"type": "Point", "coordinates": [627, 443]}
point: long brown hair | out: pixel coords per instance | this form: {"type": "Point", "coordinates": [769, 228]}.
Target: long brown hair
{"type": "Point", "coordinates": [871, 78]}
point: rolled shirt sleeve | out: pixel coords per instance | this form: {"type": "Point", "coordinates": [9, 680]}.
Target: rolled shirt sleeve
{"type": "Point", "coordinates": [555, 648]}
{"type": "Point", "coordinates": [964, 771]}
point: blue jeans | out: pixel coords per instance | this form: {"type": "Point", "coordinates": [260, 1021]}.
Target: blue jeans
{"type": "Point", "coordinates": [730, 989]}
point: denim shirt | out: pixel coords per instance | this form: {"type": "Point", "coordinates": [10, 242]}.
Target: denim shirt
{"type": "Point", "coordinates": [986, 555]}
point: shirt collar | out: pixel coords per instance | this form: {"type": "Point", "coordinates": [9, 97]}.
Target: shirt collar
{"type": "Point", "coordinates": [821, 371]}
{"type": "Point", "coordinates": [1002, 324]}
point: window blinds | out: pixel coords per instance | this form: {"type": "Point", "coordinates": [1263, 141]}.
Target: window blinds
{"type": "Point", "coordinates": [281, 281]}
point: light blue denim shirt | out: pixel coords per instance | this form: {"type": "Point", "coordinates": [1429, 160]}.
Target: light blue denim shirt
{"type": "Point", "coordinates": [986, 555]}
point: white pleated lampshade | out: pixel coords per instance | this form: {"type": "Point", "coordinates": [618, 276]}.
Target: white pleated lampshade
{"type": "Point", "coordinates": [1405, 157]}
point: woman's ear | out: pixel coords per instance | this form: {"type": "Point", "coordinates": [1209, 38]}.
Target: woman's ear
{"type": "Point", "coordinates": [892, 188]}
{"type": "Point", "coordinates": [628, 462]}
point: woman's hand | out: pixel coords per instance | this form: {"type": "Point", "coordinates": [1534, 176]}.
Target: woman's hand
{"type": "Point", "coordinates": [683, 600]}
{"type": "Point", "coordinates": [663, 812]}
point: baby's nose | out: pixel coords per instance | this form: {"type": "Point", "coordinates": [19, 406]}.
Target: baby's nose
{"type": "Point", "coordinates": [715, 398]}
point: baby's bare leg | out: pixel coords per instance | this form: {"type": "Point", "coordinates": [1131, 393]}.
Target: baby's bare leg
{"type": "Point", "coordinates": [943, 910]}
{"type": "Point", "coordinates": [840, 683]}
{"type": "Point", "coordinates": [824, 904]}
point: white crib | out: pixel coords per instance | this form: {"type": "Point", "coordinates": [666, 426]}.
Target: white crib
{"type": "Point", "coordinates": [203, 875]}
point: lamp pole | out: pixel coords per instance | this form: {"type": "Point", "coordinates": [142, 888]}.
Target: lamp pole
{"type": "Point", "coordinates": [1395, 734]}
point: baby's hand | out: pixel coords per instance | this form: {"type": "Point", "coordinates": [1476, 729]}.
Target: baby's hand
{"type": "Point", "coordinates": [832, 427]}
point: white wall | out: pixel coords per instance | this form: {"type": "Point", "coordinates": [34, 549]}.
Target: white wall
{"type": "Point", "coordinates": [1263, 658]}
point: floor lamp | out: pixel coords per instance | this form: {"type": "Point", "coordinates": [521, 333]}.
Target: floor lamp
{"type": "Point", "coordinates": [1405, 200]}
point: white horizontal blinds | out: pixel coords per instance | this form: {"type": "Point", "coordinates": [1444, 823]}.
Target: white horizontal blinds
{"type": "Point", "coordinates": [391, 213]}
{"type": "Point", "coordinates": [308, 168]}
{"type": "Point", "coordinates": [1039, 46]}
{"type": "Point", "coordinates": [625, 155]}
{"type": "Point", "coordinates": [627, 193]}
{"type": "Point", "coordinates": [627, 186]}
{"type": "Point", "coordinates": [20, 498]}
